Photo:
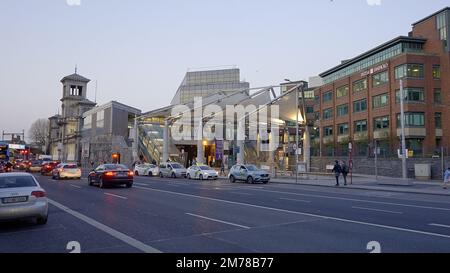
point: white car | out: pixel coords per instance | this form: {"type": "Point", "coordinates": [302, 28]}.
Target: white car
{"type": "Point", "coordinates": [66, 170]}
{"type": "Point", "coordinates": [202, 172]}
{"type": "Point", "coordinates": [21, 197]}
{"type": "Point", "coordinates": [146, 169]}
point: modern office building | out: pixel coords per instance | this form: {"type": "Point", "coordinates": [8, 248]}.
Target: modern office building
{"type": "Point", "coordinates": [360, 99]}
{"type": "Point", "coordinates": [205, 83]}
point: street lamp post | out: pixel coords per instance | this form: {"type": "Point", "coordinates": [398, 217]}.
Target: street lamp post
{"type": "Point", "coordinates": [402, 122]}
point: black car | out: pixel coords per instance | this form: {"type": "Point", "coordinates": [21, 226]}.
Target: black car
{"type": "Point", "coordinates": [111, 174]}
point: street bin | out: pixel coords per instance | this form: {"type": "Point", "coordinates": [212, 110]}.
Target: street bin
{"type": "Point", "coordinates": [422, 171]}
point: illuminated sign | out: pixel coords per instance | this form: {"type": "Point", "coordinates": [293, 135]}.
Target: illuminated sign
{"type": "Point", "coordinates": [17, 147]}
{"type": "Point", "coordinates": [374, 70]}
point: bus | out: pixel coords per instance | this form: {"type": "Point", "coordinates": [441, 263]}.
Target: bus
{"type": "Point", "coordinates": [4, 151]}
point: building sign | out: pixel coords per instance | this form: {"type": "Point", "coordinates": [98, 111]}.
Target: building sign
{"type": "Point", "coordinates": [16, 146]}
{"type": "Point", "coordinates": [219, 149]}
{"type": "Point", "coordinates": [374, 70]}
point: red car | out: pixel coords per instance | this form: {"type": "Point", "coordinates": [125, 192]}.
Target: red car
{"type": "Point", "coordinates": [111, 174]}
{"type": "Point", "coordinates": [47, 168]}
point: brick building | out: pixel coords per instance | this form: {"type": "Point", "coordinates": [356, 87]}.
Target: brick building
{"type": "Point", "coordinates": [360, 99]}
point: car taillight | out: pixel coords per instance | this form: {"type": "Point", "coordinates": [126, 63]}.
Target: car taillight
{"type": "Point", "coordinates": [109, 174]}
{"type": "Point", "coordinates": [130, 173]}
{"type": "Point", "coordinates": [38, 194]}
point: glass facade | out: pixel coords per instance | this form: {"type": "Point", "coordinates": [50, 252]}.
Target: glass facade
{"type": "Point", "coordinates": [374, 59]}
{"type": "Point", "coordinates": [409, 71]}
{"type": "Point", "coordinates": [442, 21]}
{"type": "Point", "coordinates": [205, 83]}
{"type": "Point", "coordinates": [411, 95]}
{"type": "Point", "coordinates": [381, 123]}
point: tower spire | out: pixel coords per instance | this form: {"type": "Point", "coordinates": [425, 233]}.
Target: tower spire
{"type": "Point", "coordinates": [76, 69]}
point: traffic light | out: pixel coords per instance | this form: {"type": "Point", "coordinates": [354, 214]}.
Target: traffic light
{"type": "Point", "coordinates": [116, 158]}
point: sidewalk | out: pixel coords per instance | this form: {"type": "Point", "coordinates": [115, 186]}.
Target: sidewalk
{"type": "Point", "coordinates": [370, 183]}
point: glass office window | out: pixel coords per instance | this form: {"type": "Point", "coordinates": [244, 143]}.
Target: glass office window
{"type": "Point", "coordinates": [437, 96]}
{"type": "Point", "coordinates": [412, 120]}
{"type": "Point", "coordinates": [380, 101]}
{"type": "Point", "coordinates": [342, 110]}
{"type": "Point", "coordinates": [328, 131]}
{"type": "Point", "coordinates": [438, 120]}
{"type": "Point", "coordinates": [381, 123]}
{"type": "Point", "coordinates": [309, 109]}
{"type": "Point", "coordinates": [360, 85]}
{"type": "Point", "coordinates": [343, 129]}
{"type": "Point", "coordinates": [360, 126]}
{"type": "Point", "coordinates": [436, 72]}
{"type": "Point", "coordinates": [360, 106]}
{"type": "Point", "coordinates": [411, 95]}
{"type": "Point", "coordinates": [328, 96]}
{"type": "Point", "coordinates": [342, 91]}
{"type": "Point", "coordinates": [380, 79]}
{"type": "Point", "coordinates": [409, 71]}
{"type": "Point", "coordinates": [328, 113]}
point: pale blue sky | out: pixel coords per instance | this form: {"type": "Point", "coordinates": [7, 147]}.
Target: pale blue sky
{"type": "Point", "coordinates": [139, 50]}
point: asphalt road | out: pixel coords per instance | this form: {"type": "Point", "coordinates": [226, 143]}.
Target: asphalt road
{"type": "Point", "coordinates": [182, 216]}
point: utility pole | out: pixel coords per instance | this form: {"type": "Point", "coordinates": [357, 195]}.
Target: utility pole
{"type": "Point", "coordinates": [402, 121]}
{"type": "Point", "coordinates": [376, 159]}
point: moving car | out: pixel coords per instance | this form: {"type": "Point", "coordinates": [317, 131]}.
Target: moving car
{"type": "Point", "coordinates": [47, 168]}
{"type": "Point", "coordinates": [202, 172]}
{"type": "Point", "coordinates": [66, 170]}
{"type": "Point", "coordinates": [36, 166]}
{"type": "Point", "coordinates": [146, 169]}
{"type": "Point", "coordinates": [21, 197]}
{"type": "Point", "coordinates": [172, 169]}
{"type": "Point", "coordinates": [248, 173]}
{"type": "Point", "coordinates": [111, 174]}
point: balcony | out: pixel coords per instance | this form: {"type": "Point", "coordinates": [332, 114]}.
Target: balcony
{"type": "Point", "coordinates": [328, 140]}
{"type": "Point", "coordinates": [360, 136]}
{"type": "Point", "coordinates": [381, 134]}
{"type": "Point", "coordinates": [413, 132]}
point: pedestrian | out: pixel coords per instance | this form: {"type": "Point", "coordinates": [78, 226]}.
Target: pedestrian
{"type": "Point", "coordinates": [222, 168]}
{"type": "Point", "coordinates": [446, 178]}
{"type": "Point", "coordinates": [337, 170]}
{"type": "Point", "coordinates": [345, 171]}
{"type": "Point", "coordinates": [154, 162]}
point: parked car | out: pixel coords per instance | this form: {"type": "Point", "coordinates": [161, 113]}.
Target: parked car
{"type": "Point", "coordinates": [47, 168]}
{"type": "Point", "coordinates": [172, 169]}
{"type": "Point", "coordinates": [248, 173]}
{"type": "Point", "coordinates": [17, 163]}
{"type": "Point", "coordinates": [8, 167]}
{"type": "Point", "coordinates": [21, 197]}
{"type": "Point", "coordinates": [202, 172]}
{"type": "Point", "coordinates": [36, 166]}
{"type": "Point", "coordinates": [146, 169]}
{"type": "Point", "coordinates": [111, 174]}
{"type": "Point", "coordinates": [66, 170]}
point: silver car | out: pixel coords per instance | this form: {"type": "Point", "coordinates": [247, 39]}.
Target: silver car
{"type": "Point", "coordinates": [248, 173]}
{"type": "Point", "coordinates": [21, 197]}
{"type": "Point", "coordinates": [172, 169]}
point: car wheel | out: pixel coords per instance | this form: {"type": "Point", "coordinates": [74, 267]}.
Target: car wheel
{"type": "Point", "coordinates": [150, 174]}
{"type": "Point", "coordinates": [42, 220]}
{"type": "Point", "coordinates": [90, 181]}
{"type": "Point", "coordinates": [250, 180]}
{"type": "Point", "coordinates": [101, 184]}
{"type": "Point", "coordinates": [266, 182]}
{"type": "Point", "coordinates": [129, 185]}
{"type": "Point", "coordinates": [173, 175]}
{"type": "Point", "coordinates": [232, 179]}
{"type": "Point", "coordinates": [136, 173]}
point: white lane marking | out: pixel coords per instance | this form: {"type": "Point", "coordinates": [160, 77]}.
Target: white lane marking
{"type": "Point", "coordinates": [439, 225]}
{"type": "Point", "coordinates": [241, 193]}
{"type": "Point", "coordinates": [302, 213]}
{"type": "Point", "coordinates": [75, 186]}
{"type": "Point", "coordinates": [219, 221]}
{"type": "Point", "coordinates": [379, 210]}
{"type": "Point", "coordinates": [295, 200]}
{"type": "Point", "coordinates": [115, 195]}
{"type": "Point", "coordinates": [114, 233]}
{"type": "Point", "coordinates": [140, 184]}
{"type": "Point", "coordinates": [356, 200]}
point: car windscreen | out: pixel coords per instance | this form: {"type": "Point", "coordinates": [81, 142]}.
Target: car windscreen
{"type": "Point", "coordinates": [205, 168]}
{"type": "Point", "coordinates": [16, 182]}
{"type": "Point", "coordinates": [251, 168]}
{"type": "Point", "coordinates": [177, 166]}
{"type": "Point", "coordinates": [71, 166]}
{"type": "Point", "coordinates": [116, 167]}
{"type": "Point", "coordinates": [36, 163]}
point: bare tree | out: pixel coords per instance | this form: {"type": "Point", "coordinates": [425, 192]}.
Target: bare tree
{"type": "Point", "coordinates": [39, 132]}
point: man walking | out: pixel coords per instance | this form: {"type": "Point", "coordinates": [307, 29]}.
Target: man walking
{"type": "Point", "coordinates": [337, 172]}
{"type": "Point", "coordinates": [345, 171]}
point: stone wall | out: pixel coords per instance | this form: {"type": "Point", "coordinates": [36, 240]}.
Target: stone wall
{"type": "Point", "coordinates": [386, 167]}
{"type": "Point", "coordinates": [101, 149]}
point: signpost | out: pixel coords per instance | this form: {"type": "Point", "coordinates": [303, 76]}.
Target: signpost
{"type": "Point", "coordinates": [350, 162]}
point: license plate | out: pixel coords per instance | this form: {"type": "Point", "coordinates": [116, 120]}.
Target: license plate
{"type": "Point", "coordinates": [122, 174]}
{"type": "Point", "coordinates": [11, 200]}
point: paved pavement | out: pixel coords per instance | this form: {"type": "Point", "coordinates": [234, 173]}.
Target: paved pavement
{"type": "Point", "coordinates": [186, 216]}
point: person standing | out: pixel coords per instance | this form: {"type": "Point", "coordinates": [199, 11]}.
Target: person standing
{"type": "Point", "coordinates": [337, 170]}
{"type": "Point", "coordinates": [446, 178]}
{"type": "Point", "coordinates": [222, 168]}
{"type": "Point", "coordinates": [345, 171]}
